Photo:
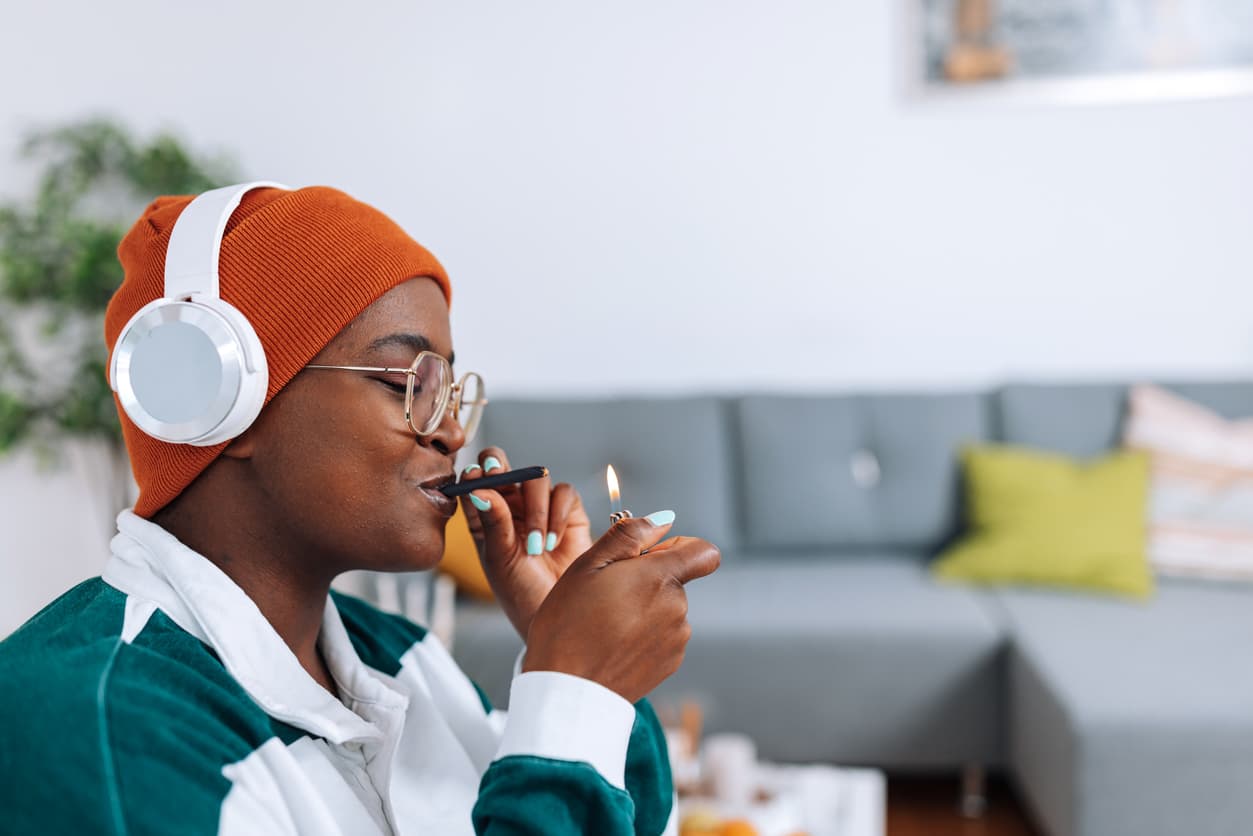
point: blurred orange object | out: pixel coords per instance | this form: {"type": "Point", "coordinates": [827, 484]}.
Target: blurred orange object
{"type": "Point", "coordinates": [738, 827]}
{"type": "Point", "coordinates": [974, 55]}
{"type": "Point", "coordinates": [700, 823]}
{"type": "Point", "coordinates": [461, 558]}
{"type": "Point", "coordinates": [691, 717]}
{"type": "Point", "coordinates": [975, 62]}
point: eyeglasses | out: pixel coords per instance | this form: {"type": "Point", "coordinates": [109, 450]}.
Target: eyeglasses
{"type": "Point", "coordinates": [430, 392]}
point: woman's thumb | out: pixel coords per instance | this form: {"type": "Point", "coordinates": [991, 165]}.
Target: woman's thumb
{"type": "Point", "coordinates": [631, 538]}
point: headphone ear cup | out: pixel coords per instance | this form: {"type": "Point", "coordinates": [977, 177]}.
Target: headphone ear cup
{"type": "Point", "coordinates": [190, 372]}
{"type": "Point", "coordinates": [254, 378]}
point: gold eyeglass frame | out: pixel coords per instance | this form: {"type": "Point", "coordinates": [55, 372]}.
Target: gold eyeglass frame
{"type": "Point", "coordinates": [450, 399]}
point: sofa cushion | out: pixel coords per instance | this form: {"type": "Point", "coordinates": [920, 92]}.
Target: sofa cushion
{"type": "Point", "coordinates": [851, 472]}
{"type": "Point", "coordinates": [1201, 522]}
{"type": "Point", "coordinates": [1130, 718]}
{"type": "Point", "coordinates": [668, 453]}
{"type": "Point", "coordinates": [1037, 518]}
{"type": "Point", "coordinates": [860, 660]}
{"type": "Point", "coordinates": [1087, 419]}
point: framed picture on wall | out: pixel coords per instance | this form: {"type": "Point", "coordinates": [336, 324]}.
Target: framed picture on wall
{"type": "Point", "coordinates": [1080, 51]}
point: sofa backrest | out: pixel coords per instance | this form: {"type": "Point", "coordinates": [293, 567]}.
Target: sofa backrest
{"type": "Point", "coordinates": [853, 472]}
{"type": "Point", "coordinates": [810, 474]}
{"type": "Point", "coordinates": [1086, 419]}
{"type": "Point", "coordinates": [668, 453]}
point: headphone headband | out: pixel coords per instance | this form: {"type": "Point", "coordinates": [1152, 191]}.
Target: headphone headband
{"type": "Point", "coordinates": [191, 259]}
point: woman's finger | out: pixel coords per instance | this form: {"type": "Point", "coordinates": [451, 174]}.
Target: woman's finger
{"type": "Point", "coordinates": [471, 506]}
{"type": "Point", "coordinates": [496, 521]}
{"type": "Point", "coordinates": [535, 513]}
{"type": "Point", "coordinates": [494, 460]}
{"type": "Point", "coordinates": [561, 504]}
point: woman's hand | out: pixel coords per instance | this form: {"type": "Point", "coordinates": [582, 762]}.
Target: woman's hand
{"type": "Point", "coordinates": [527, 534]}
{"type": "Point", "coordinates": [618, 616]}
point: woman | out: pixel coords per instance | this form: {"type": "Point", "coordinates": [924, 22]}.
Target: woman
{"type": "Point", "coordinates": [211, 682]}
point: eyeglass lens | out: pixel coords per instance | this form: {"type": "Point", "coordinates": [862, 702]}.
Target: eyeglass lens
{"type": "Point", "coordinates": [432, 382]}
{"type": "Point", "coordinates": [470, 406]}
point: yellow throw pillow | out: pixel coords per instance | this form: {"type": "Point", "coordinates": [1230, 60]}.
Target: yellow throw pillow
{"type": "Point", "coordinates": [1046, 519]}
{"type": "Point", "coordinates": [461, 558]}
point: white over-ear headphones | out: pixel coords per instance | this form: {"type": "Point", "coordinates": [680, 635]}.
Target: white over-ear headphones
{"type": "Point", "coordinates": [189, 368]}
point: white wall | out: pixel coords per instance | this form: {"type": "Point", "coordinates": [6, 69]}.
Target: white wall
{"type": "Point", "coordinates": [713, 195]}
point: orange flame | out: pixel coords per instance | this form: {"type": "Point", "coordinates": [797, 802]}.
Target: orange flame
{"type": "Point", "coordinates": [615, 495]}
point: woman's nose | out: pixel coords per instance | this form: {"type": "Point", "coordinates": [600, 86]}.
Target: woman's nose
{"type": "Point", "coordinates": [449, 436]}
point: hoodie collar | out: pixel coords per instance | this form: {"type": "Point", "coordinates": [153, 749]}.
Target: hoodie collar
{"type": "Point", "coordinates": [149, 563]}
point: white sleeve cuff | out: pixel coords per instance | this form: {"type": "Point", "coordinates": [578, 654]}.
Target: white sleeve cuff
{"type": "Point", "coordinates": [563, 717]}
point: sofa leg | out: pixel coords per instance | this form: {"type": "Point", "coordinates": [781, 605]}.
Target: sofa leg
{"type": "Point", "coordinates": [974, 800]}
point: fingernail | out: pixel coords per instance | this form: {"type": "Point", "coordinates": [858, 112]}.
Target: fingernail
{"type": "Point", "coordinates": [479, 503]}
{"type": "Point", "coordinates": [534, 543]}
{"type": "Point", "coordinates": [661, 517]}
{"type": "Point", "coordinates": [551, 542]}
{"type": "Point", "coordinates": [469, 468]}
{"type": "Point", "coordinates": [490, 463]}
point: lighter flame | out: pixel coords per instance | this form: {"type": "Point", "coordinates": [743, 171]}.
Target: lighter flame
{"type": "Point", "coordinates": [612, 478]}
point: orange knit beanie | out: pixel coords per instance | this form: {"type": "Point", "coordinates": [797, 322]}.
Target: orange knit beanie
{"type": "Point", "coordinates": [299, 264]}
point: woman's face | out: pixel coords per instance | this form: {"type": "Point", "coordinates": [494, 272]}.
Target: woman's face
{"type": "Point", "coordinates": [334, 456]}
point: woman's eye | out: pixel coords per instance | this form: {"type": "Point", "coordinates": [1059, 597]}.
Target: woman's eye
{"type": "Point", "coordinates": [391, 384]}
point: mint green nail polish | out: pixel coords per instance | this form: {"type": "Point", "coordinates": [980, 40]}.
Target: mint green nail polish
{"type": "Point", "coordinates": [551, 543]}
{"type": "Point", "coordinates": [534, 543]}
{"type": "Point", "coordinates": [661, 517]}
{"type": "Point", "coordinates": [480, 504]}
{"type": "Point", "coordinates": [470, 468]}
{"type": "Point", "coordinates": [490, 463]}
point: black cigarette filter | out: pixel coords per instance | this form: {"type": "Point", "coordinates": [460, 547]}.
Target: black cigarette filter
{"type": "Point", "coordinates": [494, 480]}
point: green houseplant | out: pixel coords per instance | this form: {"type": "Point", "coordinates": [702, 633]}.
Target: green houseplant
{"type": "Point", "coordinates": [58, 268]}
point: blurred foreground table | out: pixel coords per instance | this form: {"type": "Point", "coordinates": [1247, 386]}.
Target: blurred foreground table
{"type": "Point", "coordinates": [816, 800]}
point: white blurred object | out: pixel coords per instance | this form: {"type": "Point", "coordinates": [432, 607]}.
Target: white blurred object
{"type": "Point", "coordinates": [417, 599]}
{"type": "Point", "coordinates": [864, 466]}
{"type": "Point", "coordinates": [444, 609]}
{"type": "Point", "coordinates": [684, 765]}
{"type": "Point", "coordinates": [820, 800]}
{"type": "Point", "coordinates": [387, 593]}
{"type": "Point", "coordinates": [730, 762]}
{"type": "Point", "coordinates": [357, 583]}
{"type": "Point", "coordinates": [829, 800]}
{"type": "Point", "coordinates": [426, 598]}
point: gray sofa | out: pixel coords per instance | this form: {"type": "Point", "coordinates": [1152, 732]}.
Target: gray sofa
{"type": "Point", "coordinates": [825, 637]}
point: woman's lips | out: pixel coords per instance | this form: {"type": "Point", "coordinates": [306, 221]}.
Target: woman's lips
{"type": "Point", "coordinates": [446, 504]}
